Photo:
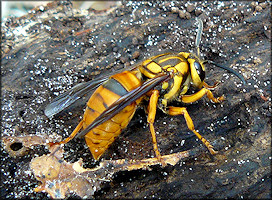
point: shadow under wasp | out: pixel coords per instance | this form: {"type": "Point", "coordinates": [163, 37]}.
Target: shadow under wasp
{"type": "Point", "coordinates": [160, 80]}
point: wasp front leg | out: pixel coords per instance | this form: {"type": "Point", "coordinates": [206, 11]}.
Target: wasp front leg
{"type": "Point", "coordinates": [206, 85]}
{"type": "Point", "coordinates": [204, 91]}
{"type": "Point", "coordinates": [150, 119]}
{"type": "Point", "coordinates": [182, 111]}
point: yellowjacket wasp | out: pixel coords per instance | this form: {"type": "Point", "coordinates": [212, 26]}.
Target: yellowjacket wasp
{"type": "Point", "coordinates": [115, 97]}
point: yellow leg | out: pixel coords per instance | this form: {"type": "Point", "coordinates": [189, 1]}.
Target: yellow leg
{"type": "Point", "coordinates": [199, 95]}
{"type": "Point", "coordinates": [190, 124]}
{"type": "Point", "coordinates": [150, 119]}
{"type": "Point", "coordinates": [70, 137]}
{"type": "Point", "coordinates": [73, 134]}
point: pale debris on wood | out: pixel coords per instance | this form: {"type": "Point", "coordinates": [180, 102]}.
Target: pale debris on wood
{"type": "Point", "coordinates": [59, 178]}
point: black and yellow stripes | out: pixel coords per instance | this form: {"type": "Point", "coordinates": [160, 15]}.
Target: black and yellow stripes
{"type": "Point", "coordinates": [115, 87]}
{"type": "Point", "coordinates": [164, 62]}
{"type": "Point", "coordinates": [174, 63]}
{"type": "Point", "coordinates": [128, 80]}
{"type": "Point", "coordinates": [99, 138]}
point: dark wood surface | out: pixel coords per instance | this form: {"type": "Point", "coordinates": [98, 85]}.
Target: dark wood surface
{"type": "Point", "coordinates": [55, 47]}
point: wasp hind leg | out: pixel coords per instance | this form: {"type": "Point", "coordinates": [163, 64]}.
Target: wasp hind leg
{"type": "Point", "coordinates": [73, 134]}
{"type": "Point", "coordinates": [70, 137]}
{"type": "Point", "coordinates": [190, 125]}
{"type": "Point", "coordinates": [150, 119]}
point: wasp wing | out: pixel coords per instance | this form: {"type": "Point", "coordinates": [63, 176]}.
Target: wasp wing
{"type": "Point", "coordinates": [70, 96]}
{"type": "Point", "coordinates": [124, 101]}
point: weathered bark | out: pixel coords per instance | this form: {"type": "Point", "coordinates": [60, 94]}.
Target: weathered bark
{"type": "Point", "coordinates": [55, 47]}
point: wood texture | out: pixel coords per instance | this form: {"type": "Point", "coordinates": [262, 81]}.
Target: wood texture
{"type": "Point", "coordinates": [54, 47]}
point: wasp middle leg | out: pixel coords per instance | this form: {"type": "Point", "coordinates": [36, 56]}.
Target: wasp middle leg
{"type": "Point", "coordinates": [182, 111]}
{"type": "Point", "coordinates": [150, 119]}
{"type": "Point", "coordinates": [189, 121]}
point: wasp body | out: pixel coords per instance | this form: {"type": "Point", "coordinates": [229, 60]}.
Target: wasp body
{"type": "Point", "coordinates": [159, 79]}
{"type": "Point", "coordinates": [100, 137]}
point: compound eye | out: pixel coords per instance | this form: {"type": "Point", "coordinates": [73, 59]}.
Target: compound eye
{"type": "Point", "coordinates": [200, 71]}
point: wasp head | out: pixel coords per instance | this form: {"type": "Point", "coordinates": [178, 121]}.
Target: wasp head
{"type": "Point", "coordinates": [197, 70]}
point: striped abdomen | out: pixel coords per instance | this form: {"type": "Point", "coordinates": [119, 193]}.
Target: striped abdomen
{"type": "Point", "coordinates": [100, 137]}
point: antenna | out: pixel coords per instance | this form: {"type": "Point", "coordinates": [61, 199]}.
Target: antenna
{"type": "Point", "coordinates": [228, 69]}
{"type": "Point", "coordinates": [197, 42]}
{"type": "Point", "coordinates": [198, 35]}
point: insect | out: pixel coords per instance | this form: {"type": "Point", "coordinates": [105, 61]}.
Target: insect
{"type": "Point", "coordinates": [160, 79]}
